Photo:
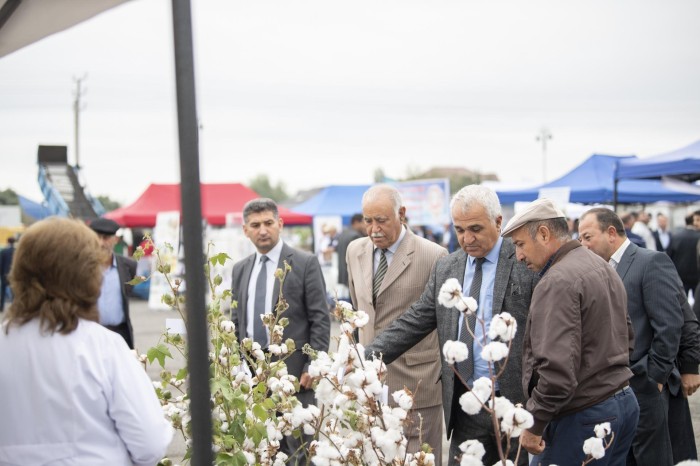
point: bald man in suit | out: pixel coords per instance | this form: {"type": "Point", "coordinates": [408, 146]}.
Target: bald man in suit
{"type": "Point", "coordinates": [385, 288]}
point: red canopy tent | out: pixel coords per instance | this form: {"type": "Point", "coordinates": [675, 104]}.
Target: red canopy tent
{"type": "Point", "coordinates": [217, 201]}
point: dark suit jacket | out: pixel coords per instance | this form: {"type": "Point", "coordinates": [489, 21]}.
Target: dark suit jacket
{"type": "Point", "coordinates": [6, 261]}
{"type": "Point", "coordinates": [684, 253]}
{"type": "Point", "coordinates": [346, 237]}
{"type": "Point", "coordinates": [654, 306]}
{"type": "Point", "coordinates": [657, 240]}
{"type": "Point", "coordinates": [126, 267]}
{"type": "Point", "coordinates": [305, 293]}
{"type": "Point", "coordinates": [512, 293]}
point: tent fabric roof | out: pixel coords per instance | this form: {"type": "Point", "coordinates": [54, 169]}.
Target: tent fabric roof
{"type": "Point", "coordinates": [683, 163]}
{"type": "Point", "coordinates": [217, 201]}
{"type": "Point", "coordinates": [33, 209]}
{"type": "Point", "coordinates": [343, 200]}
{"type": "Point", "coordinates": [593, 182]}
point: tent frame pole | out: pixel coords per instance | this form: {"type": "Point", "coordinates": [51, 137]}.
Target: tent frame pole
{"type": "Point", "coordinates": [198, 352]}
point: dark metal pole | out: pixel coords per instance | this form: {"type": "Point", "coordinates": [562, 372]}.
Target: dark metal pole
{"type": "Point", "coordinates": [198, 357]}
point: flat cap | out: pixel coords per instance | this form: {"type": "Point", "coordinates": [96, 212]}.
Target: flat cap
{"type": "Point", "coordinates": [541, 209]}
{"type": "Point", "coordinates": [104, 226]}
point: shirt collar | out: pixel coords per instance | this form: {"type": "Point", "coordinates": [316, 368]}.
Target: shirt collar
{"type": "Point", "coordinates": [617, 256]}
{"type": "Point", "coordinates": [273, 254]}
{"type": "Point", "coordinates": [561, 252]}
{"type": "Point", "coordinates": [392, 249]}
{"type": "Point", "coordinates": [493, 254]}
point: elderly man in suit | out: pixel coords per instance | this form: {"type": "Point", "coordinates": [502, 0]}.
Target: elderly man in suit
{"type": "Point", "coordinates": [113, 303]}
{"type": "Point", "coordinates": [257, 291]}
{"type": "Point", "coordinates": [504, 285]}
{"type": "Point", "coordinates": [387, 272]}
{"type": "Point", "coordinates": [655, 302]}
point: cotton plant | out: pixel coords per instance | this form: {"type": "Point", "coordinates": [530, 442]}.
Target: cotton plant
{"type": "Point", "coordinates": [252, 394]}
{"type": "Point", "coordinates": [353, 423]}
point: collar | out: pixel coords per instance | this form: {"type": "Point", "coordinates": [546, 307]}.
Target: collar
{"type": "Point", "coordinates": [559, 254]}
{"type": "Point", "coordinates": [274, 253]}
{"type": "Point", "coordinates": [617, 255]}
{"type": "Point", "coordinates": [392, 249]}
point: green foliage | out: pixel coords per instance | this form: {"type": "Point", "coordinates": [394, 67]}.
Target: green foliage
{"type": "Point", "coordinates": [108, 203]}
{"type": "Point", "coordinates": [9, 197]}
{"type": "Point", "coordinates": [261, 185]}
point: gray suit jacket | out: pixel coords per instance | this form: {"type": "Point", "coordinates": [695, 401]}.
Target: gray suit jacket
{"type": "Point", "coordinates": [655, 309]}
{"type": "Point", "coordinates": [512, 293]}
{"type": "Point", "coordinates": [305, 293]}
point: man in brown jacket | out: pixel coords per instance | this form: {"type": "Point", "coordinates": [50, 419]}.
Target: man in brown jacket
{"type": "Point", "coordinates": [577, 343]}
{"type": "Point", "coordinates": [387, 272]}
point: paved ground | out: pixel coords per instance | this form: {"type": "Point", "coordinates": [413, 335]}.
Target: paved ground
{"type": "Point", "coordinates": [149, 325]}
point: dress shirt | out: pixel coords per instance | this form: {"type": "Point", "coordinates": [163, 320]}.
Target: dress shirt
{"type": "Point", "coordinates": [110, 304]}
{"type": "Point", "coordinates": [664, 238]}
{"type": "Point", "coordinates": [389, 253]}
{"type": "Point", "coordinates": [76, 399]}
{"type": "Point", "coordinates": [270, 267]}
{"type": "Point", "coordinates": [485, 310]}
{"type": "Point", "coordinates": [617, 255]}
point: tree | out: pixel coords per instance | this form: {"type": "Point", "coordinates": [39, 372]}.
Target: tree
{"type": "Point", "coordinates": [108, 203]}
{"type": "Point", "coordinates": [261, 185]}
{"type": "Point", "coordinates": [8, 197]}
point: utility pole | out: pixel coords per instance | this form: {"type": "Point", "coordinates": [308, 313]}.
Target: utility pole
{"type": "Point", "coordinates": [77, 94]}
{"type": "Point", "coordinates": [543, 136]}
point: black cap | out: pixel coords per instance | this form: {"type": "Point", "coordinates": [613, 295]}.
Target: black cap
{"type": "Point", "coordinates": [104, 226]}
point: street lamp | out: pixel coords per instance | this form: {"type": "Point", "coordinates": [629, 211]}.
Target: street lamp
{"type": "Point", "coordinates": [543, 136]}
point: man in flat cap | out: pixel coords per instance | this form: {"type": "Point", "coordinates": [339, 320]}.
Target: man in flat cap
{"type": "Point", "coordinates": [577, 343]}
{"type": "Point", "coordinates": [113, 304]}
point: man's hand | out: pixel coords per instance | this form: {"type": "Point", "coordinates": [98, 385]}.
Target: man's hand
{"type": "Point", "coordinates": [531, 442]}
{"type": "Point", "coordinates": [690, 383]}
{"type": "Point", "coordinates": [305, 381]}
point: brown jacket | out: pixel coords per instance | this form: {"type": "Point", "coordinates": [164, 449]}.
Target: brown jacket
{"type": "Point", "coordinates": [578, 337]}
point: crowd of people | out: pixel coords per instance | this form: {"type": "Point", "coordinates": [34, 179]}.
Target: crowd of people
{"type": "Point", "coordinates": [605, 329]}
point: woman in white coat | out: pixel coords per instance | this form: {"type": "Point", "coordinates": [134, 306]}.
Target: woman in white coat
{"type": "Point", "coordinates": [71, 391]}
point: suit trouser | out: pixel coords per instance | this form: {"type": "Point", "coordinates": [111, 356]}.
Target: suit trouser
{"type": "Point", "coordinates": [680, 429]}
{"type": "Point", "coordinates": [4, 284]}
{"type": "Point", "coordinates": [652, 443]}
{"type": "Point", "coordinates": [431, 432]}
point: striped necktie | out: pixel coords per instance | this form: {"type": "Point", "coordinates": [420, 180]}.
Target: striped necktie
{"type": "Point", "coordinates": [466, 368]}
{"type": "Point", "coordinates": [379, 275]}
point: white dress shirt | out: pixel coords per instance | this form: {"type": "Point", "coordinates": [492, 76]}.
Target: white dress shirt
{"type": "Point", "coordinates": [76, 399]}
{"type": "Point", "coordinates": [270, 267]}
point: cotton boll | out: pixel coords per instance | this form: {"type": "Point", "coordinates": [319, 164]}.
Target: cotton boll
{"type": "Point", "coordinates": [455, 351]}
{"type": "Point", "coordinates": [473, 448]}
{"type": "Point", "coordinates": [494, 351]}
{"type": "Point", "coordinates": [602, 430]}
{"type": "Point", "coordinates": [450, 293]}
{"type": "Point", "coordinates": [594, 447]}
{"type": "Point", "coordinates": [470, 403]}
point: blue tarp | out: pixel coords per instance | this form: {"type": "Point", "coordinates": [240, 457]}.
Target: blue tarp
{"type": "Point", "coordinates": [593, 182]}
{"type": "Point", "coordinates": [681, 163]}
{"type": "Point", "coordinates": [33, 209]}
{"type": "Point", "coordinates": [345, 201]}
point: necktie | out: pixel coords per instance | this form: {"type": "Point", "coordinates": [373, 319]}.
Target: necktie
{"type": "Point", "coordinates": [379, 275]}
{"type": "Point", "coordinates": [259, 332]}
{"type": "Point", "coordinates": [466, 368]}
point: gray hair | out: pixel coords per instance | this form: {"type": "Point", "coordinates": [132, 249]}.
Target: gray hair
{"type": "Point", "coordinates": [380, 190]}
{"type": "Point", "coordinates": [477, 194]}
{"type": "Point", "coordinates": [260, 205]}
{"type": "Point", "coordinates": [557, 227]}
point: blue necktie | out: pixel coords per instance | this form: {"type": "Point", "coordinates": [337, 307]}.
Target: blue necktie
{"type": "Point", "coordinates": [259, 330]}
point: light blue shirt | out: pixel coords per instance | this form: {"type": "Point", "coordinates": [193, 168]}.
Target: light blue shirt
{"type": "Point", "coordinates": [485, 310]}
{"type": "Point", "coordinates": [110, 304]}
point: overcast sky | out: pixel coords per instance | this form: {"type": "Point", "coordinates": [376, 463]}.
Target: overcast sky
{"type": "Point", "coordinates": [325, 92]}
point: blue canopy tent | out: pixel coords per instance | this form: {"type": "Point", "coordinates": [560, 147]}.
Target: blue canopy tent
{"type": "Point", "coordinates": [681, 164]}
{"type": "Point", "coordinates": [593, 182]}
{"type": "Point", "coordinates": [33, 209]}
{"type": "Point", "coordinates": [342, 200]}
